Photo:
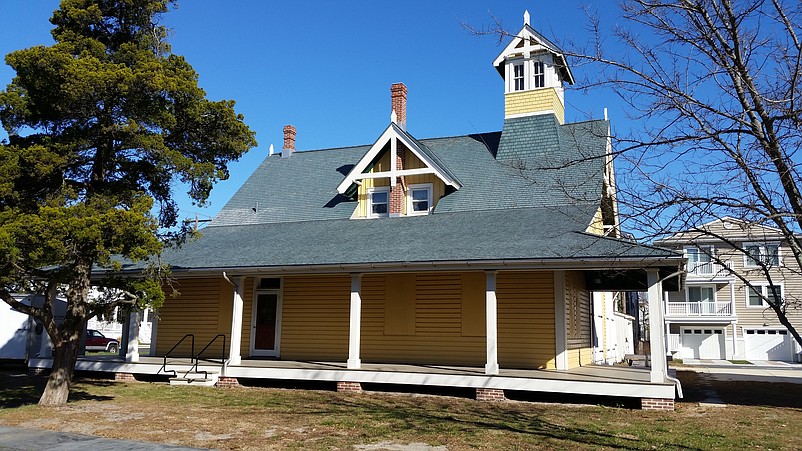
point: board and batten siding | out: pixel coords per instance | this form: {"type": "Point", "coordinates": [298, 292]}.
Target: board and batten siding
{"type": "Point", "coordinates": [202, 308]}
{"type": "Point", "coordinates": [578, 320]}
{"type": "Point", "coordinates": [315, 317]}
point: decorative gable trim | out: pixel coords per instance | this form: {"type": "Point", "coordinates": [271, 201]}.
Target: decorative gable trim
{"type": "Point", "coordinates": [525, 37]}
{"type": "Point", "coordinates": [393, 134]}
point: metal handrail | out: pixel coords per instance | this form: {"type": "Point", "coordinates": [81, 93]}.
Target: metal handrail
{"type": "Point", "coordinates": [223, 353]}
{"type": "Point", "coordinates": [197, 356]}
{"type": "Point", "coordinates": [164, 364]}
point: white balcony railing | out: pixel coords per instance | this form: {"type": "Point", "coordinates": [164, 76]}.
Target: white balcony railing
{"type": "Point", "coordinates": [709, 269]}
{"type": "Point", "coordinates": [720, 308]}
{"type": "Point", "coordinates": [673, 342]}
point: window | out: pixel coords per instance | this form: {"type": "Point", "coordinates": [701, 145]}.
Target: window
{"type": "Point", "coordinates": [269, 283]}
{"type": "Point", "coordinates": [378, 202]}
{"type": "Point", "coordinates": [757, 253]}
{"type": "Point", "coordinates": [759, 292]}
{"type": "Point", "coordinates": [419, 199]}
{"type": "Point", "coordinates": [699, 259]}
{"type": "Point", "coordinates": [518, 77]}
{"type": "Point", "coordinates": [701, 294]}
{"type": "Point", "coordinates": [538, 74]}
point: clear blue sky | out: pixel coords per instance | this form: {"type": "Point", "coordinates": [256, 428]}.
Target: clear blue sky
{"type": "Point", "coordinates": [326, 67]}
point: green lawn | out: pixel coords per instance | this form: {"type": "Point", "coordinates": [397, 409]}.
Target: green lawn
{"type": "Point", "coordinates": [257, 418]}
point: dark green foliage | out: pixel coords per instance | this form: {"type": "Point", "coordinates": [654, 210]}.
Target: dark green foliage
{"type": "Point", "coordinates": [100, 124]}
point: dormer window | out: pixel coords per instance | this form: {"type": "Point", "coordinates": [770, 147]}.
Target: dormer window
{"type": "Point", "coordinates": [419, 199]}
{"type": "Point", "coordinates": [518, 76]}
{"type": "Point", "coordinates": [539, 74]}
{"type": "Point", "coordinates": [379, 202]}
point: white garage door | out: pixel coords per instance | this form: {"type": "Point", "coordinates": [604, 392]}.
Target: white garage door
{"type": "Point", "coordinates": [703, 343]}
{"type": "Point", "coordinates": [767, 344]}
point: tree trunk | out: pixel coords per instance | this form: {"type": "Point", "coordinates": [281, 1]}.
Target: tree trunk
{"type": "Point", "coordinates": [58, 385]}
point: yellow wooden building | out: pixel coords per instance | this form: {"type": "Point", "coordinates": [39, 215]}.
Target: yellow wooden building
{"type": "Point", "coordinates": [465, 261]}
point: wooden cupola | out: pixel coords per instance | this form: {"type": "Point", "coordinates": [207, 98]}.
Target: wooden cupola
{"type": "Point", "coordinates": [534, 70]}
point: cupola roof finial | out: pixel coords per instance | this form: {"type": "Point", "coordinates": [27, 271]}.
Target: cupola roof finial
{"type": "Point", "coordinates": [526, 17]}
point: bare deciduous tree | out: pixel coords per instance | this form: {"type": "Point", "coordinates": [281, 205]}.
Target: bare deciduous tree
{"type": "Point", "coordinates": [712, 88]}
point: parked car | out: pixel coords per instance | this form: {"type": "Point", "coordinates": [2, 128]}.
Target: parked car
{"type": "Point", "coordinates": [96, 341]}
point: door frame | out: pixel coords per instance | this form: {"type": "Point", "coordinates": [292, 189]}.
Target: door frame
{"type": "Point", "coordinates": [276, 351]}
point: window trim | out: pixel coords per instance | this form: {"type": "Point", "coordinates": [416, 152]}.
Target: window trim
{"type": "Point", "coordinates": [420, 186]}
{"type": "Point", "coordinates": [763, 285]}
{"type": "Point", "coordinates": [688, 294]}
{"type": "Point", "coordinates": [538, 76]}
{"type": "Point", "coordinates": [377, 189]}
{"type": "Point", "coordinates": [707, 250]}
{"type": "Point", "coordinates": [516, 78]}
{"type": "Point", "coordinates": [762, 251]}
{"type": "Point", "coordinates": [279, 292]}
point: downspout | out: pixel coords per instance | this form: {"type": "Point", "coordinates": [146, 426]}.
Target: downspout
{"type": "Point", "coordinates": [229, 280]}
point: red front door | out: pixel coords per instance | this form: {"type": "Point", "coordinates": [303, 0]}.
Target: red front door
{"type": "Point", "coordinates": [265, 327]}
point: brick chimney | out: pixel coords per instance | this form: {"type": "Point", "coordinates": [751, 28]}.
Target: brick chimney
{"type": "Point", "coordinates": [398, 97]}
{"type": "Point", "coordinates": [289, 141]}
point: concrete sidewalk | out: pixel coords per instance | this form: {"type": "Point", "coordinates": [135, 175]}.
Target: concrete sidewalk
{"type": "Point", "coordinates": [751, 364]}
{"type": "Point", "coordinates": [758, 372]}
{"type": "Point", "coordinates": [41, 439]}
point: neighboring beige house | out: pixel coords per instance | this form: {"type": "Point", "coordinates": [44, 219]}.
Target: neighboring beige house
{"type": "Point", "coordinates": [717, 316]}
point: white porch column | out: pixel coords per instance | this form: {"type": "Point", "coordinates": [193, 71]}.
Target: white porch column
{"type": "Point", "coordinates": [132, 345]}
{"type": "Point", "coordinates": [734, 324]}
{"type": "Point", "coordinates": [355, 327]}
{"type": "Point", "coordinates": [656, 326]}
{"type": "Point", "coordinates": [154, 331]}
{"type": "Point", "coordinates": [560, 335]}
{"type": "Point", "coordinates": [235, 340]}
{"type": "Point", "coordinates": [46, 346]}
{"type": "Point", "coordinates": [491, 318]}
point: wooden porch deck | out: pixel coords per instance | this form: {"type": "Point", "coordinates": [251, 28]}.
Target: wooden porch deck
{"type": "Point", "coordinates": [599, 380]}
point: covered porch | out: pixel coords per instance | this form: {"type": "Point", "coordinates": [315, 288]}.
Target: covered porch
{"type": "Point", "coordinates": [595, 380]}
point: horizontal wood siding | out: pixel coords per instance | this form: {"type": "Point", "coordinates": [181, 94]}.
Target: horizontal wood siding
{"type": "Point", "coordinates": [315, 317]}
{"type": "Point", "coordinates": [578, 318]}
{"type": "Point", "coordinates": [438, 333]}
{"type": "Point", "coordinates": [526, 319]}
{"type": "Point", "coordinates": [247, 319]}
{"type": "Point", "coordinates": [195, 311]}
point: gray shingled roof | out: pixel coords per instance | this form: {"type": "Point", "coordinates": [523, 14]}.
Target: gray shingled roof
{"type": "Point", "coordinates": [544, 233]}
{"type": "Point", "coordinates": [540, 164]}
{"type": "Point", "coordinates": [532, 202]}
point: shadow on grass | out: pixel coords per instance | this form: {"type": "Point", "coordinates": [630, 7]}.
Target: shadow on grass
{"type": "Point", "coordinates": [698, 386]}
{"type": "Point", "coordinates": [18, 389]}
{"type": "Point", "coordinates": [466, 420]}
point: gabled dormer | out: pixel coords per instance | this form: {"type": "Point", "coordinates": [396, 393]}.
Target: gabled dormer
{"type": "Point", "coordinates": [534, 70]}
{"type": "Point", "coordinates": [398, 176]}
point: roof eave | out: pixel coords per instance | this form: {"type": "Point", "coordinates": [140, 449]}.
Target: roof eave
{"type": "Point", "coordinates": [585, 264]}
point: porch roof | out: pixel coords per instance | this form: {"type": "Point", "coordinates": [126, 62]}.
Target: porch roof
{"type": "Point", "coordinates": [546, 237]}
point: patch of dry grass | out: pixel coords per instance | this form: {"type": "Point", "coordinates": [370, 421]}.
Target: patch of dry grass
{"type": "Point", "coordinates": [273, 418]}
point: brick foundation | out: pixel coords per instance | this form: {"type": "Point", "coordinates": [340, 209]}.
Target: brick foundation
{"type": "Point", "coordinates": [223, 381]}
{"type": "Point", "coordinates": [657, 404]}
{"type": "Point", "coordinates": [38, 372]}
{"type": "Point", "coordinates": [345, 386]}
{"type": "Point", "coordinates": [490, 394]}
{"type": "Point", "coordinates": [124, 377]}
